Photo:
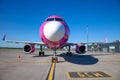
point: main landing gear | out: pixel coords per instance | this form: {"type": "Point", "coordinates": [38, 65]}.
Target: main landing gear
{"type": "Point", "coordinates": [69, 53]}
{"type": "Point", "coordinates": [54, 58]}
{"type": "Point", "coordinates": [41, 53]}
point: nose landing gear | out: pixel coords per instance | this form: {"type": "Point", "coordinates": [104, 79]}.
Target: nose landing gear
{"type": "Point", "coordinates": [54, 58]}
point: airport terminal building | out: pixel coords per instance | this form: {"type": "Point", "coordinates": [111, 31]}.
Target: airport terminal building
{"type": "Point", "coordinates": [106, 47]}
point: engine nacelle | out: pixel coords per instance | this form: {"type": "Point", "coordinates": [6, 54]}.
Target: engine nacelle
{"type": "Point", "coordinates": [80, 49]}
{"type": "Point", "coordinates": [29, 48]}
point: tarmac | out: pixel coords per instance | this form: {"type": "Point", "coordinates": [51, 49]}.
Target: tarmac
{"type": "Point", "coordinates": [15, 65]}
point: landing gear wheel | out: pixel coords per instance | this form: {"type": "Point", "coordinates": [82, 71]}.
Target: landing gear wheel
{"type": "Point", "coordinates": [69, 54]}
{"type": "Point", "coordinates": [41, 53]}
{"type": "Point", "coordinates": [54, 60]}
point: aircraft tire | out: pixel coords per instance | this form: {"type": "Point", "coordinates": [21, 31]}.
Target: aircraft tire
{"type": "Point", "coordinates": [39, 53]}
{"type": "Point", "coordinates": [54, 60]}
{"type": "Point", "coordinates": [69, 54]}
{"type": "Point", "coordinates": [42, 53]}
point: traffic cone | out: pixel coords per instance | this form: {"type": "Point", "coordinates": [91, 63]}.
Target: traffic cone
{"type": "Point", "coordinates": [19, 56]}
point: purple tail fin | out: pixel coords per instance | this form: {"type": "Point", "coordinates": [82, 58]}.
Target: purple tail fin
{"type": "Point", "coordinates": [4, 38]}
{"type": "Point", "coordinates": [105, 40]}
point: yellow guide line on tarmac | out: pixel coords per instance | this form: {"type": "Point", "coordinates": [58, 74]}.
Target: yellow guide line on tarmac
{"type": "Point", "coordinates": [51, 73]}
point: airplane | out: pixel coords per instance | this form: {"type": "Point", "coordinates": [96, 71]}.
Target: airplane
{"type": "Point", "coordinates": [54, 33]}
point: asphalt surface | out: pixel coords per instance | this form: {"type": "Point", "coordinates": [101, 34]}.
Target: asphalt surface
{"type": "Point", "coordinates": [15, 65]}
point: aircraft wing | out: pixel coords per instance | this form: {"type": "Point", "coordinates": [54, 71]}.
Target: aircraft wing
{"type": "Point", "coordinates": [42, 44]}
{"type": "Point", "coordinates": [24, 42]}
{"type": "Point", "coordinates": [83, 43]}
{"type": "Point", "coordinates": [70, 44]}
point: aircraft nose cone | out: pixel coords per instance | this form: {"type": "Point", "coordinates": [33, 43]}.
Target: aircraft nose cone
{"type": "Point", "coordinates": [54, 31]}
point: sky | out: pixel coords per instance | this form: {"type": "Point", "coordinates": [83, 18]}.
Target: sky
{"type": "Point", "coordinates": [20, 20]}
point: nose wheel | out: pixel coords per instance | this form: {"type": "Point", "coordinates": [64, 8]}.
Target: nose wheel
{"type": "Point", "coordinates": [54, 59]}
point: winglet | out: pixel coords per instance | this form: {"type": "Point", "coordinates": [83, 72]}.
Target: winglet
{"type": "Point", "coordinates": [4, 38]}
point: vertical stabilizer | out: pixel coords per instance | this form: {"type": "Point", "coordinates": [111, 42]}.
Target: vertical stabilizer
{"type": "Point", "coordinates": [4, 38]}
{"type": "Point", "coordinates": [105, 39]}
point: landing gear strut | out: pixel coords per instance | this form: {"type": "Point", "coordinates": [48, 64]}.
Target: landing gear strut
{"type": "Point", "coordinates": [54, 58]}
{"type": "Point", "coordinates": [41, 53]}
{"type": "Point", "coordinates": [69, 53]}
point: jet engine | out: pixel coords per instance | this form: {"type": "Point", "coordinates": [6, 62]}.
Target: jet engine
{"type": "Point", "coordinates": [80, 49]}
{"type": "Point", "coordinates": [29, 48]}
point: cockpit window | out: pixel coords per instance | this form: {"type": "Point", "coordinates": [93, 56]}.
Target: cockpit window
{"type": "Point", "coordinates": [54, 19]}
{"type": "Point", "coordinates": [58, 19]}
{"type": "Point", "coordinates": [50, 19]}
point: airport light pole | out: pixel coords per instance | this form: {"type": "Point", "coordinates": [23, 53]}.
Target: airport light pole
{"type": "Point", "coordinates": [87, 37]}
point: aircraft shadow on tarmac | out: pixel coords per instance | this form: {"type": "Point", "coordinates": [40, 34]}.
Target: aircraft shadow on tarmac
{"type": "Point", "coordinates": [100, 54]}
{"type": "Point", "coordinates": [36, 55]}
{"type": "Point", "coordinates": [80, 59]}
